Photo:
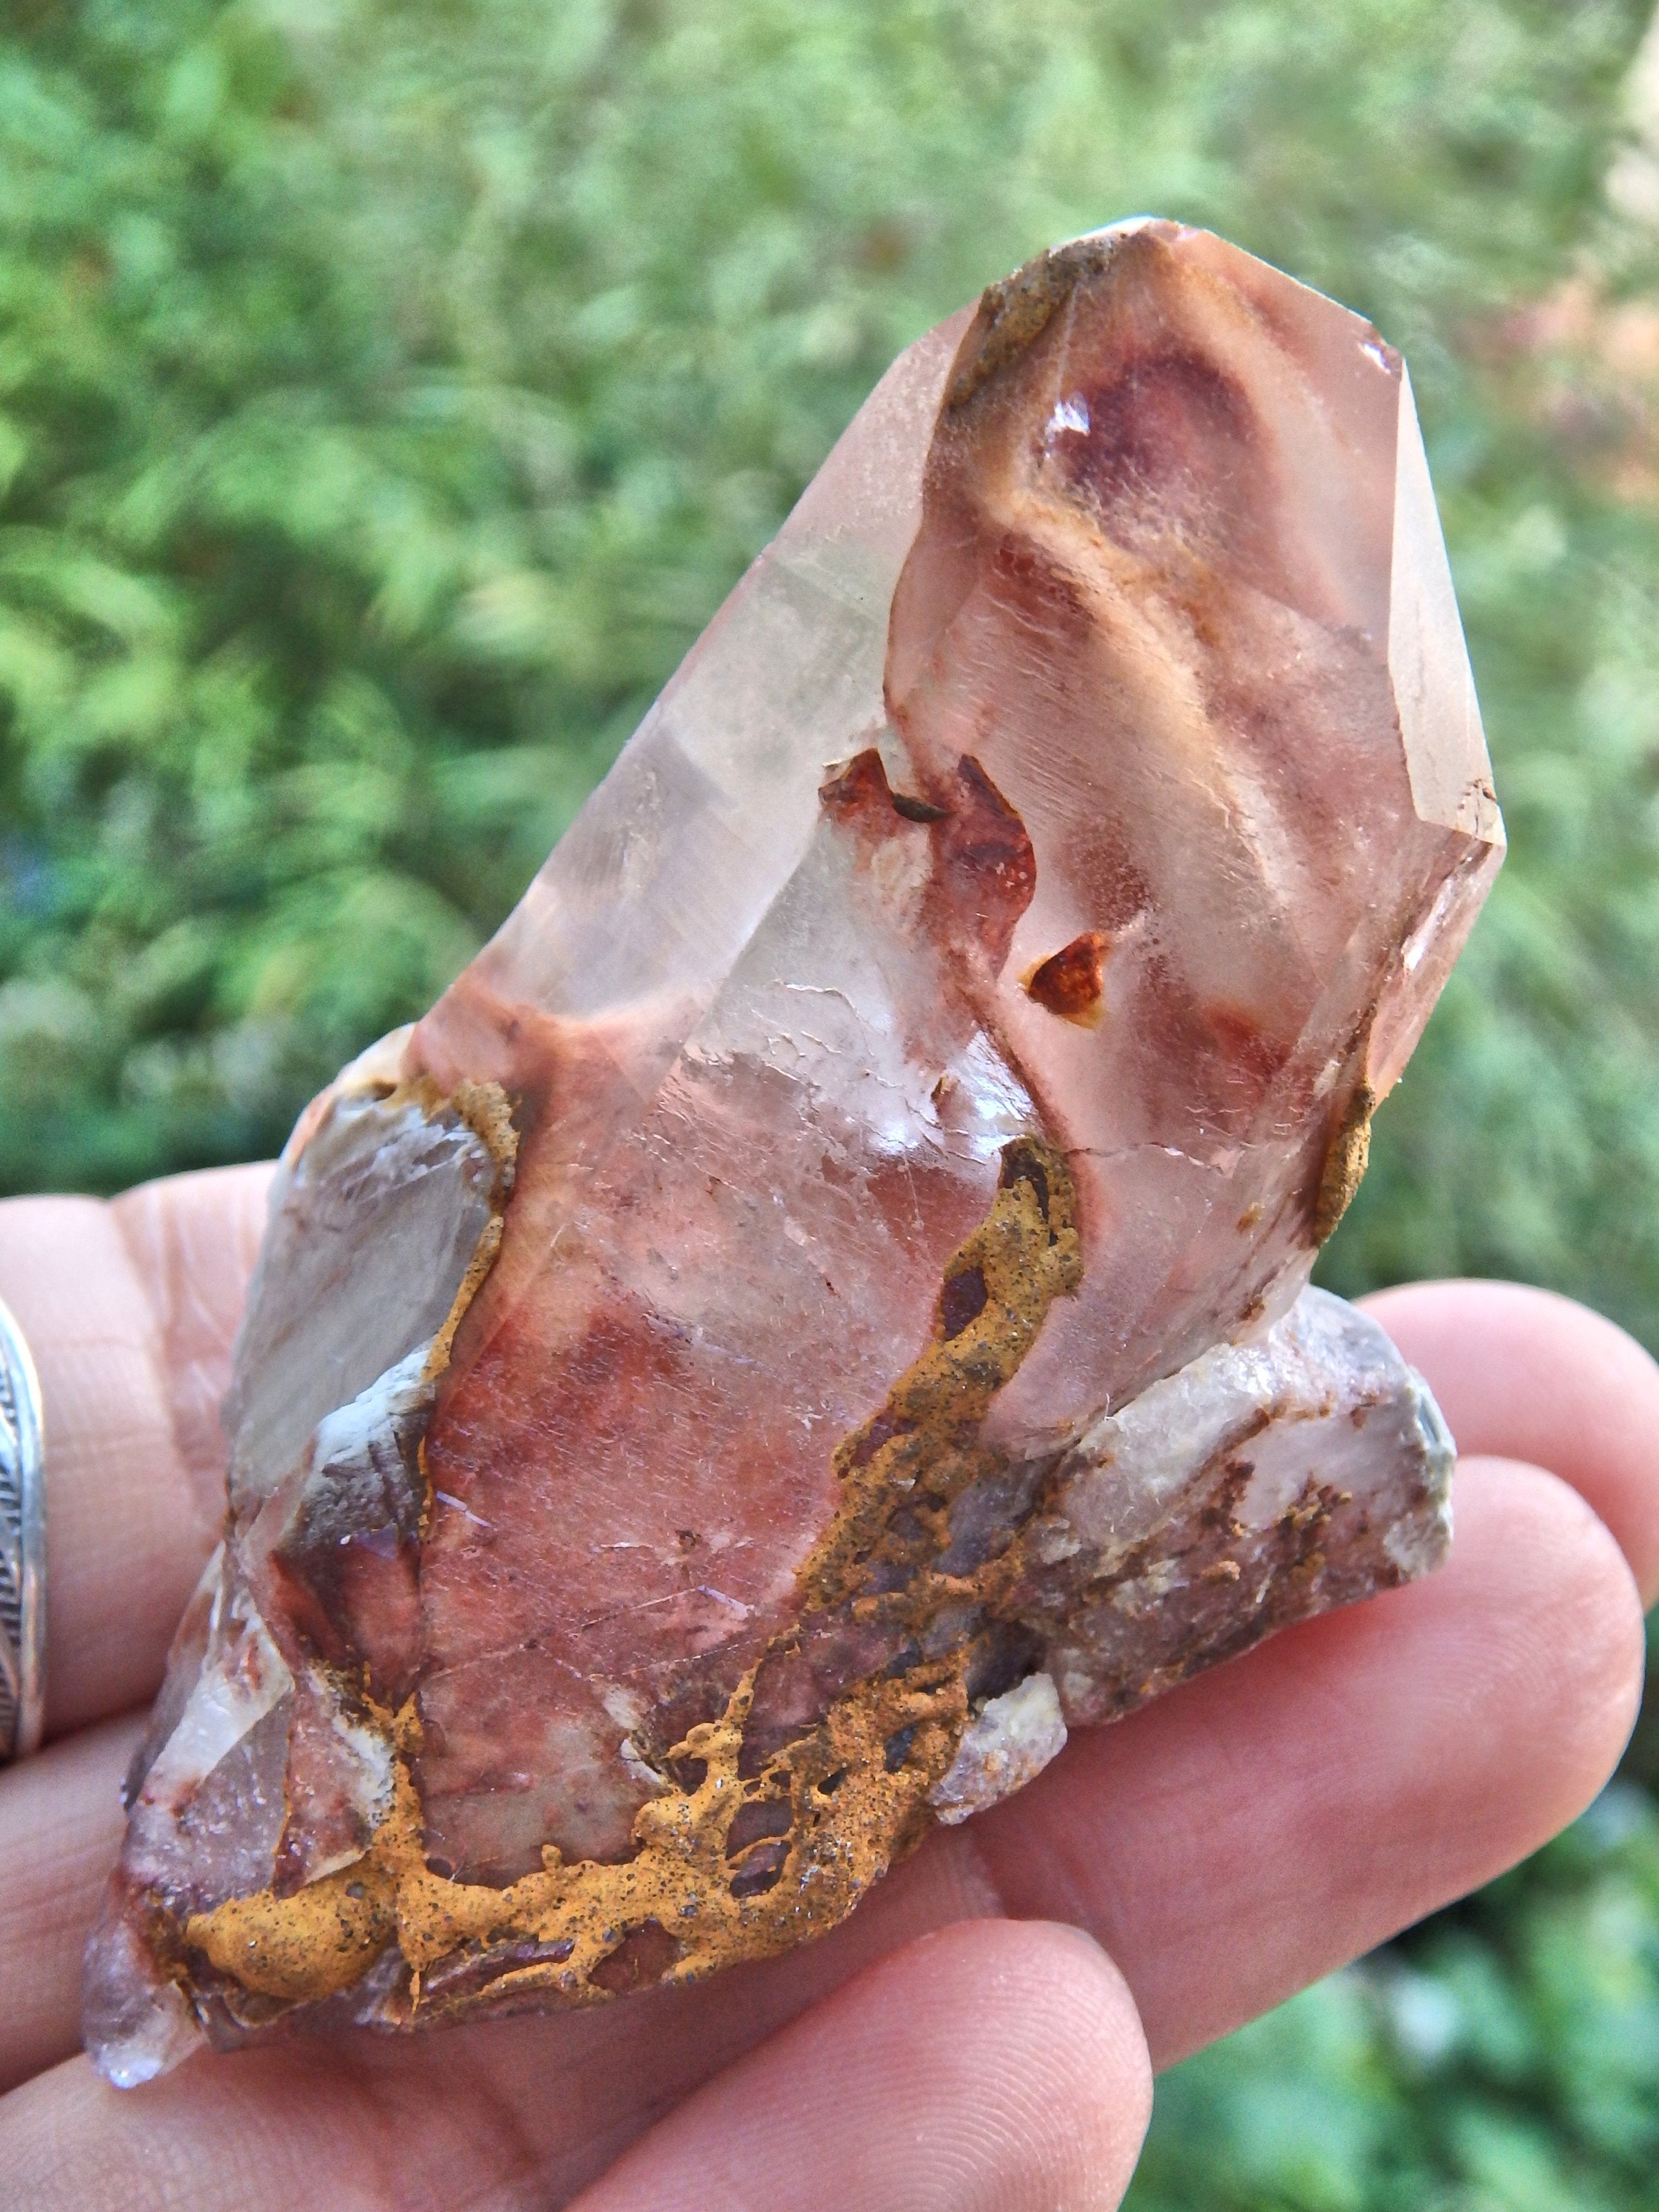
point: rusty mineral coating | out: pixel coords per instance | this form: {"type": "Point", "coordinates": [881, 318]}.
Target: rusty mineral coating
{"type": "Point", "coordinates": [818, 1310]}
{"type": "Point", "coordinates": [850, 1810]}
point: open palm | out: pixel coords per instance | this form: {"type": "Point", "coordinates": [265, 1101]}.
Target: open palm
{"type": "Point", "coordinates": [981, 2034]}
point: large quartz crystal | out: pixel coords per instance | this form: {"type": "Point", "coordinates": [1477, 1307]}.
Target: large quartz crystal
{"type": "Point", "coordinates": [818, 1308]}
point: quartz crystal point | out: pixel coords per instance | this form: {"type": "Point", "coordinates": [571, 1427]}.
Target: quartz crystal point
{"type": "Point", "coordinates": [818, 1308]}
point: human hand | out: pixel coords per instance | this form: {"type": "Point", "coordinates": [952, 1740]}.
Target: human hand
{"type": "Point", "coordinates": [966, 2040]}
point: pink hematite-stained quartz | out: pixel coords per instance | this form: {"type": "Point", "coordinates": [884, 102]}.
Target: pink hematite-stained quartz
{"type": "Point", "coordinates": [819, 1306]}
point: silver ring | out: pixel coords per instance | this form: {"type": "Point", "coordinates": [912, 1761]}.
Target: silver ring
{"type": "Point", "coordinates": [22, 1547]}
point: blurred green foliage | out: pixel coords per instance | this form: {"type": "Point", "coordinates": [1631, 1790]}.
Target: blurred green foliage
{"type": "Point", "coordinates": [1505, 2058]}
{"type": "Point", "coordinates": [388, 394]}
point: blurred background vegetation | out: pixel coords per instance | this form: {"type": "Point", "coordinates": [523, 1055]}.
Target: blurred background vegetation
{"type": "Point", "coordinates": [390, 389]}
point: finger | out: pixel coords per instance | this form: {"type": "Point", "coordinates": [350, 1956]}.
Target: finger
{"type": "Point", "coordinates": [124, 1533]}
{"type": "Point", "coordinates": [994, 2065]}
{"type": "Point", "coordinates": [1273, 1819]}
{"type": "Point", "coordinates": [1199, 2020]}
{"type": "Point", "coordinates": [60, 1827]}
{"type": "Point", "coordinates": [1523, 1373]}
{"type": "Point", "coordinates": [130, 1515]}
{"type": "Point", "coordinates": [1228, 1843]}
{"type": "Point", "coordinates": [618, 2068]}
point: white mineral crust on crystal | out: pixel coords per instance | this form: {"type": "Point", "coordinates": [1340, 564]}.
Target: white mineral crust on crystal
{"type": "Point", "coordinates": [1006, 1744]}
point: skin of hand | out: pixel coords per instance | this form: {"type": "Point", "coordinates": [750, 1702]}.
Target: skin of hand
{"type": "Point", "coordinates": [982, 2034]}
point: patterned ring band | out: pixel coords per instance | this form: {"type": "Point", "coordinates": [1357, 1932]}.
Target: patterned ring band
{"type": "Point", "coordinates": [22, 1547]}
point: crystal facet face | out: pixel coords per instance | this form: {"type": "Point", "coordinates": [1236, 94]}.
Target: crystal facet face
{"type": "Point", "coordinates": [818, 1308]}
